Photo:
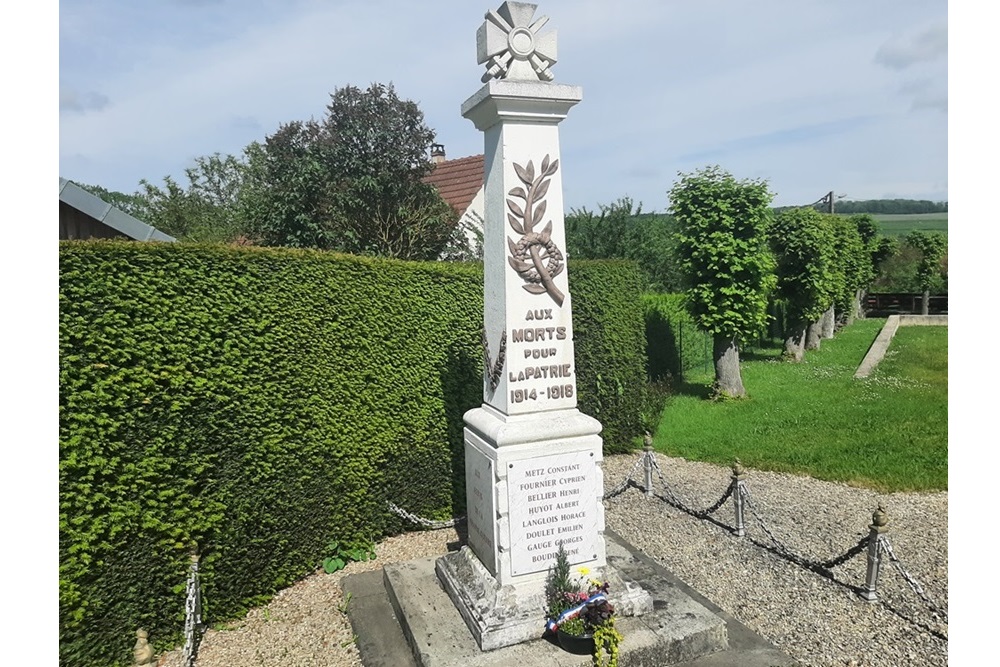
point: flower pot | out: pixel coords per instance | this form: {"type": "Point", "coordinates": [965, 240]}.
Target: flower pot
{"type": "Point", "coordinates": [576, 644]}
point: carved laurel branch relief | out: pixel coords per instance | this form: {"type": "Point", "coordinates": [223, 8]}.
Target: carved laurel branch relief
{"type": "Point", "coordinates": [535, 257]}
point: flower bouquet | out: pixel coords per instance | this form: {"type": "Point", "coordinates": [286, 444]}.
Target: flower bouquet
{"type": "Point", "coordinates": [580, 614]}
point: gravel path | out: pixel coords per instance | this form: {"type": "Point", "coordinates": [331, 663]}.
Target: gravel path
{"type": "Point", "coordinates": [818, 620]}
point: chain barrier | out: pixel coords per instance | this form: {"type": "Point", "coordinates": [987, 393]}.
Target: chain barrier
{"type": "Point", "coordinates": [910, 579]}
{"type": "Point", "coordinates": [673, 499]}
{"type": "Point", "coordinates": [618, 490]}
{"type": "Point", "coordinates": [192, 614]}
{"type": "Point", "coordinates": [427, 523]}
{"type": "Point", "coordinates": [794, 557]}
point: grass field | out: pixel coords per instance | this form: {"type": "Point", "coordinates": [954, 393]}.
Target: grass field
{"type": "Point", "coordinates": [904, 223]}
{"type": "Point", "coordinates": [887, 432]}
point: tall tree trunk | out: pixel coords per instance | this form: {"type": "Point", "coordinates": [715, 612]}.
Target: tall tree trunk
{"type": "Point", "coordinates": [728, 381]}
{"type": "Point", "coordinates": [829, 321]}
{"type": "Point", "coordinates": [814, 333]}
{"type": "Point", "coordinates": [794, 343]}
{"type": "Point", "coordinates": [926, 305]}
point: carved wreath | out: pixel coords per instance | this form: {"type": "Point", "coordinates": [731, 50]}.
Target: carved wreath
{"type": "Point", "coordinates": [535, 257]}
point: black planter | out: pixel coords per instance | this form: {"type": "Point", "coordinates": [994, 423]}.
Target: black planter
{"type": "Point", "coordinates": [576, 644]}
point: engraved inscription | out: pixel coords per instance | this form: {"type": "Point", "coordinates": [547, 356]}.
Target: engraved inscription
{"type": "Point", "coordinates": [553, 502]}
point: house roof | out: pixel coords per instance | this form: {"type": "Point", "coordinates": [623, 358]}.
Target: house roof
{"type": "Point", "coordinates": [73, 195]}
{"type": "Point", "coordinates": [458, 180]}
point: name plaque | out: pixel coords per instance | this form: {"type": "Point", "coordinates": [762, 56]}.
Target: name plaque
{"type": "Point", "coordinates": [552, 501]}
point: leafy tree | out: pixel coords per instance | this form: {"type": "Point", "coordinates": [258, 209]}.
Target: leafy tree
{"type": "Point", "coordinates": [854, 265]}
{"type": "Point", "coordinates": [622, 231]}
{"type": "Point", "coordinates": [932, 248]}
{"type": "Point", "coordinates": [207, 209]}
{"type": "Point", "coordinates": [802, 243]}
{"type": "Point", "coordinates": [727, 265]}
{"type": "Point", "coordinates": [351, 181]}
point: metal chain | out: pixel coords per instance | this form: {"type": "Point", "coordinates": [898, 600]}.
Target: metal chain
{"type": "Point", "coordinates": [794, 557]}
{"type": "Point", "coordinates": [428, 523]}
{"type": "Point", "coordinates": [910, 579]}
{"type": "Point", "coordinates": [628, 478]}
{"type": "Point", "coordinates": [673, 499]}
{"type": "Point", "coordinates": [192, 615]}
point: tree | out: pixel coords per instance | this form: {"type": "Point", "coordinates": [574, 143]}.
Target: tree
{"type": "Point", "coordinates": [351, 181]}
{"type": "Point", "coordinates": [208, 209]}
{"type": "Point", "coordinates": [932, 249]}
{"type": "Point", "coordinates": [133, 204]}
{"type": "Point", "coordinates": [622, 231]}
{"type": "Point", "coordinates": [727, 265]}
{"type": "Point", "coordinates": [802, 243]}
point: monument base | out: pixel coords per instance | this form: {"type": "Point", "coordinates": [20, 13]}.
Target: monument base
{"type": "Point", "coordinates": [678, 629]}
{"type": "Point", "coordinates": [501, 616]}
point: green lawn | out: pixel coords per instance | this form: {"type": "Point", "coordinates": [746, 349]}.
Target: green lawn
{"type": "Point", "coordinates": [888, 431]}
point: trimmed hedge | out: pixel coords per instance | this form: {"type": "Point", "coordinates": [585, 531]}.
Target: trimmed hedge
{"type": "Point", "coordinates": [674, 343]}
{"type": "Point", "coordinates": [261, 402]}
{"type": "Point", "coordinates": [610, 349]}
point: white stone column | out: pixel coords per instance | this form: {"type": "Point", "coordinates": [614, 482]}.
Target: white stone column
{"type": "Point", "coordinates": [533, 461]}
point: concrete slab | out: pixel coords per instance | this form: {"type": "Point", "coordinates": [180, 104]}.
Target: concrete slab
{"type": "Point", "coordinates": [440, 638]}
{"type": "Point", "coordinates": [685, 629]}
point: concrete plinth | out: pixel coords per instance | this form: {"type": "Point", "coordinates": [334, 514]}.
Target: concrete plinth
{"type": "Point", "coordinates": [678, 628]}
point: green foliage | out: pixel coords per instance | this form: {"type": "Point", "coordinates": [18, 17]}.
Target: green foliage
{"type": "Point", "coordinates": [558, 584]}
{"type": "Point", "coordinates": [932, 248]}
{"type": "Point", "coordinates": [261, 402]}
{"type": "Point", "coordinates": [803, 244]}
{"type": "Point", "coordinates": [207, 209]}
{"type": "Point", "coordinates": [674, 343]}
{"type": "Point", "coordinates": [888, 431]}
{"type": "Point", "coordinates": [606, 641]}
{"type": "Point", "coordinates": [610, 349]}
{"type": "Point", "coordinates": [722, 242]}
{"type": "Point", "coordinates": [342, 554]}
{"type": "Point", "coordinates": [351, 181]}
{"type": "Point", "coordinates": [853, 269]}
{"type": "Point", "coordinates": [622, 231]}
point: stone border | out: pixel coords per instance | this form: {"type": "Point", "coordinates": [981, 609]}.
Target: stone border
{"type": "Point", "coordinates": [881, 344]}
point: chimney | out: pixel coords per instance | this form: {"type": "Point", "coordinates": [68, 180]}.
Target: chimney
{"type": "Point", "coordinates": [437, 153]}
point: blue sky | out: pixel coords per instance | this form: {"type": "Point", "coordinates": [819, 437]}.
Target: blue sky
{"type": "Point", "coordinates": [813, 95]}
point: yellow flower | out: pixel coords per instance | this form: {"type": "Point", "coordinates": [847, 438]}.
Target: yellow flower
{"type": "Point", "coordinates": [584, 571]}
{"type": "Point", "coordinates": [596, 582]}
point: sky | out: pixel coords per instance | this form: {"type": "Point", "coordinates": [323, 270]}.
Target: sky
{"type": "Point", "coordinates": [811, 95]}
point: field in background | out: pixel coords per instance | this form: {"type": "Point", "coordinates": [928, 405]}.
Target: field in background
{"type": "Point", "coordinates": [900, 224]}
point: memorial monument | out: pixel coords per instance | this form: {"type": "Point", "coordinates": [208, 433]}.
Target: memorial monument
{"type": "Point", "coordinates": [532, 459]}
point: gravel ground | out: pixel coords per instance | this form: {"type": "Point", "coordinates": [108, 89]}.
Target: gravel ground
{"type": "Point", "coordinates": [818, 620]}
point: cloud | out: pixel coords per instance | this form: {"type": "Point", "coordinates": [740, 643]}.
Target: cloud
{"type": "Point", "coordinates": [77, 102]}
{"type": "Point", "coordinates": [926, 94]}
{"type": "Point", "coordinates": [927, 46]}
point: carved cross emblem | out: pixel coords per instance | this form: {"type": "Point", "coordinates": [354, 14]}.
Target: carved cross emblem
{"type": "Point", "coordinates": [512, 48]}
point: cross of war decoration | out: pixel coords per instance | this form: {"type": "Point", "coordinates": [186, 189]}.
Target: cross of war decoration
{"type": "Point", "coordinates": [509, 43]}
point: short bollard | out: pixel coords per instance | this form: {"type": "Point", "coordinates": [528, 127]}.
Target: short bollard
{"type": "Point", "coordinates": [738, 477]}
{"type": "Point", "coordinates": [143, 652]}
{"type": "Point", "coordinates": [647, 448]}
{"type": "Point", "coordinates": [879, 523]}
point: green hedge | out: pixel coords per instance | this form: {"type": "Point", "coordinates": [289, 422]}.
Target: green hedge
{"type": "Point", "coordinates": [610, 348]}
{"type": "Point", "coordinates": [674, 344]}
{"type": "Point", "coordinates": [261, 402]}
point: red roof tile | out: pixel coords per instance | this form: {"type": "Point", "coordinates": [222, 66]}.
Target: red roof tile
{"type": "Point", "coordinates": [458, 180]}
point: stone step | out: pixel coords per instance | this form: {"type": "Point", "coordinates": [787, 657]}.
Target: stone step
{"type": "Point", "coordinates": [403, 618]}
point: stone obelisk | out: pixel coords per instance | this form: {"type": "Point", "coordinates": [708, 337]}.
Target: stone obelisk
{"type": "Point", "coordinates": [532, 459]}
